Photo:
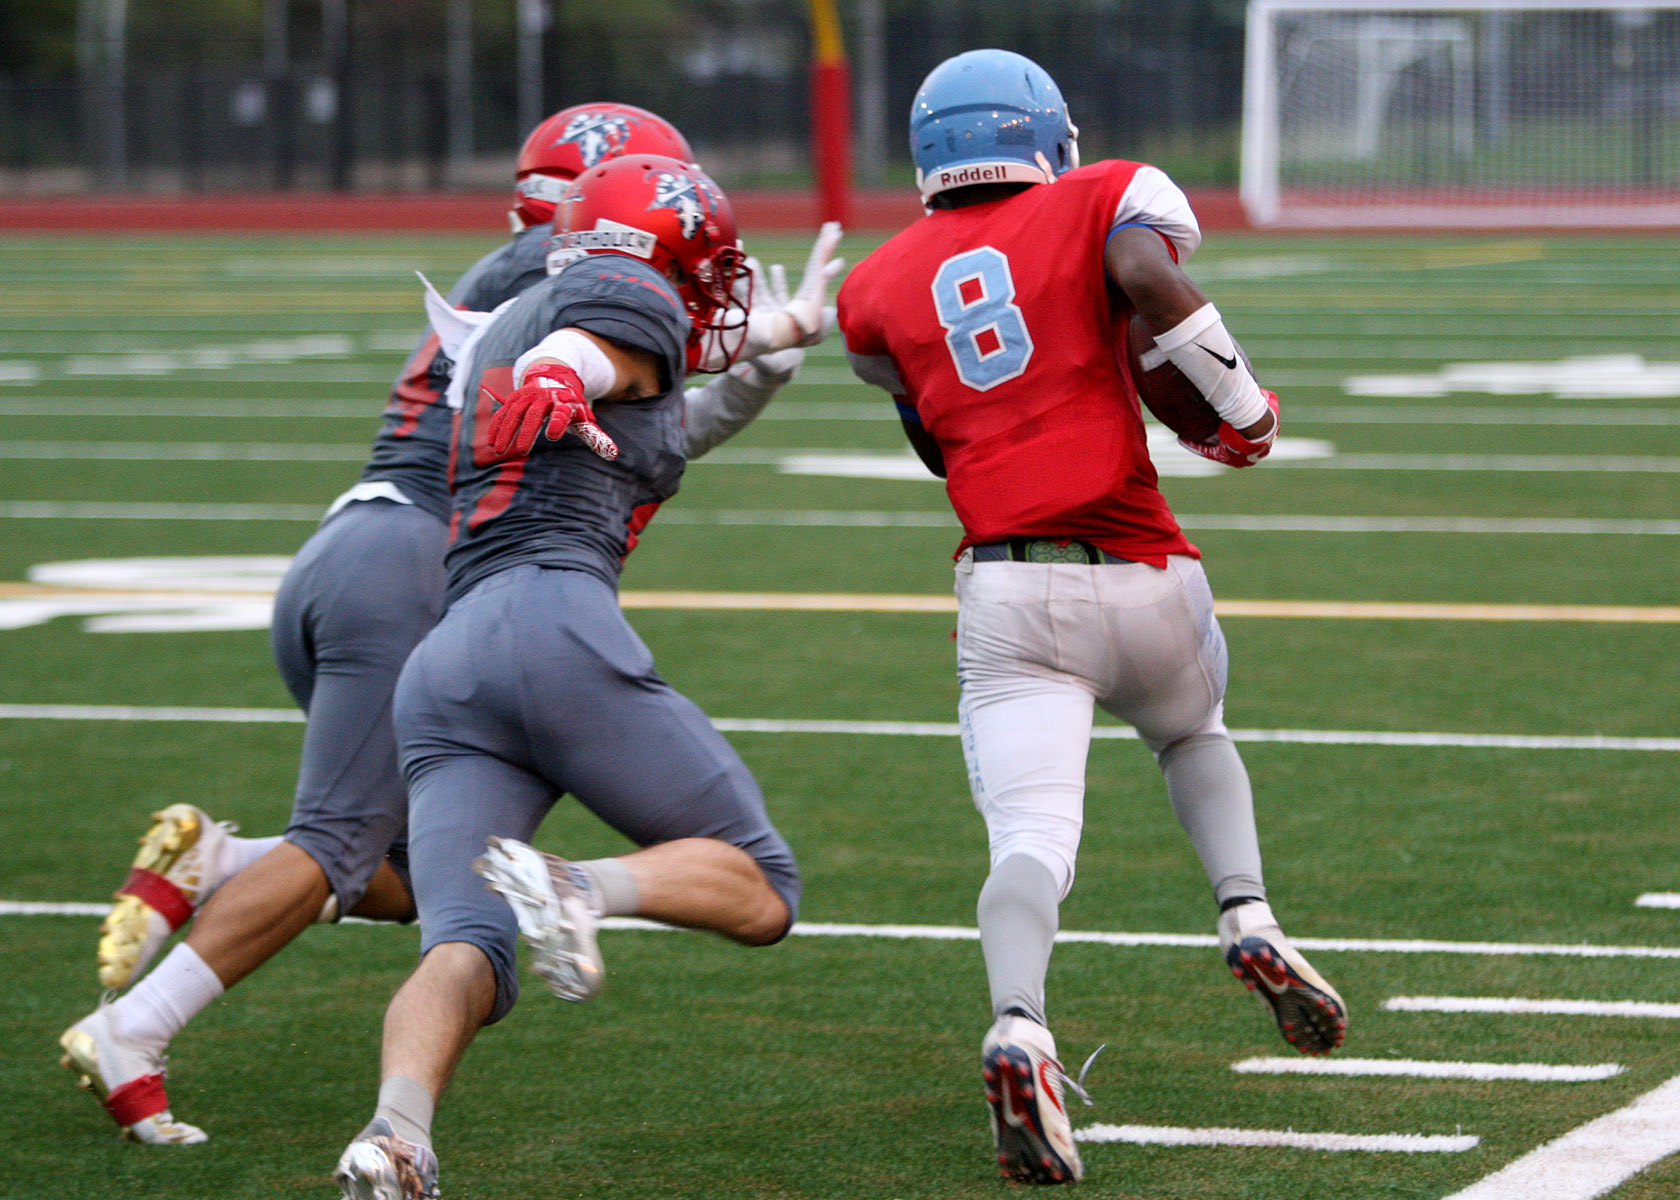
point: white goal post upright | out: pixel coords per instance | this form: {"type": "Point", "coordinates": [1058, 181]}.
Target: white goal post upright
{"type": "Point", "coordinates": [1462, 113]}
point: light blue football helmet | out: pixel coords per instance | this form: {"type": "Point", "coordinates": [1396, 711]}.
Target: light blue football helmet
{"type": "Point", "coordinates": [990, 116]}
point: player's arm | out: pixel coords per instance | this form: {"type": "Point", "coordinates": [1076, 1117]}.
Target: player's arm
{"type": "Point", "coordinates": [1191, 334]}
{"type": "Point", "coordinates": [880, 371]}
{"type": "Point", "coordinates": [921, 441]}
{"type": "Point", "coordinates": [555, 382]}
{"type": "Point", "coordinates": [725, 404]}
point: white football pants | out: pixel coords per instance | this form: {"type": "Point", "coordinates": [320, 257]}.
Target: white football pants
{"type": "Point", "coordinates": [1038, 646]}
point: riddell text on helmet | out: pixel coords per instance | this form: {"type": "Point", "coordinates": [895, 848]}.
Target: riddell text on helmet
{"type": "Point", "coordinates": [982, 174]}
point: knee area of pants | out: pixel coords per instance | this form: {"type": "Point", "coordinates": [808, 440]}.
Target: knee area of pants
{"type": "Point", "coordinates": [507, 995]}
{"type": "Point", "coordinates": [1166, 751]}
{"type": "Point", "coordinates": [776, 907]}
{"type": "Point", "coordinates": [1057, 860]}
{"type": "Point", "coordinates": [349, 882]}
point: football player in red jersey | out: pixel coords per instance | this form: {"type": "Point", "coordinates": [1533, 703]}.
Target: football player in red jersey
{"type": "Point", "coordinates": [363, 590]}
{"type": "Point", "coordinates": [993, 322]}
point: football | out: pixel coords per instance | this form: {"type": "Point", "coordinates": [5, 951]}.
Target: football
{"type": "Point", "coordinates": [1165, 391]}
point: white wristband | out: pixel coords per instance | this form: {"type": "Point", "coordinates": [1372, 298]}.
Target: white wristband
{"type": "Point", "coordinates": [1202, 348]}
{"type": "Point", "coordinates": [581, 354]}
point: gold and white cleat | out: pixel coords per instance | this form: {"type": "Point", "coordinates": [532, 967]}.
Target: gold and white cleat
{"type": "Point", "coordinates": [176, 869]}
{"type": "Point", "coordinates": [127, 1078]}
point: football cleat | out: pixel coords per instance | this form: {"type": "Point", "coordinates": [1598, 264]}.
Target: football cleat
{"type": "Point", "coordinates": [379, 1165]}
{"type": "Point", "coordinates": [1024, 1090]}
{"type": "Point", "coordinates": [553, 912]}
{"type": "Point", "coordinates": [127, 1077]}
{"type": "Point", "coordinates": [176, 869]}
{"type": "Point", "coordinates": [1310, 1013]}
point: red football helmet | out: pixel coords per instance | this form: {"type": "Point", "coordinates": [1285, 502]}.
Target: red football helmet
{"type": "Point", "coordinates": [577, 138]}
{"type": "Point", "coordinates": [670, 214]}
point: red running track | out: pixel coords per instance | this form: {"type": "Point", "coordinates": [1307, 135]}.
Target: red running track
{"type": "Point", "coordinates": [755, 212]}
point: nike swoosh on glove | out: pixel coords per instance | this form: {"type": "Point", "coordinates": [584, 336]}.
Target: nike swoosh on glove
{"type": "Point", "coordinates": [555, 399]}
{"type": "Point", "coordinates": [1230, 448]}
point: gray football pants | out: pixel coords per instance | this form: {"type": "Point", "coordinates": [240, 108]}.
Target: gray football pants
{"type": "Point", "coordinates": [533, 686]}
{"type": "Point", "coordinates": [357, 598]}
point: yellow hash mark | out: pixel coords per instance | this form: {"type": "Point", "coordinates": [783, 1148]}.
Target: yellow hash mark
{"type": "Point", "coordinates": [1335, 610]}
{"type": "Point", "coordinates": [1435, 258]}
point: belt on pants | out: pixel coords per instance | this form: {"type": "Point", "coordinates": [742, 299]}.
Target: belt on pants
{"type": "Point", "coordinates": [1044, 550]}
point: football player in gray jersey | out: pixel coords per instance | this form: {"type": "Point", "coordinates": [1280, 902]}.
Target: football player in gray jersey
{"type": "Point", "coordinates": [359, 596]}
{"type": "Point", "coordinates": [533, 685]}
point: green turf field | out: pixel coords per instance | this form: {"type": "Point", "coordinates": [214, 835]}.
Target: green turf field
{"type": "Point", "coordinates": [1456, 799]}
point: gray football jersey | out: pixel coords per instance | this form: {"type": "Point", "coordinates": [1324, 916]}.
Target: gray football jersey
{"type": "Point", "coordinates": [562, 505]}
{"type": "Point", "coordinates": [412, 447]}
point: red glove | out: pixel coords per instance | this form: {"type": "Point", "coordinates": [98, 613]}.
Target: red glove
{"type": "Point", "coordinates": [1231, 448]}
{"type": "Point", "coordinates": [554, 397]}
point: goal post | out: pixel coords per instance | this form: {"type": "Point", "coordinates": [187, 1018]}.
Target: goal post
{"type": "Point", "coordinates": [1458, 113]}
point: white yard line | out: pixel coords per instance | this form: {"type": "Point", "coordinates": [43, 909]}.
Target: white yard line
{"type": "Point", "coordinates": [816, 410]}
{"type": "Point", "coordinates": [1658, 900]}
{"type": "Point", "coordinates": [93, 510]}
{"type": "Point", "coordinates": [123, 712]}
{"type": "Point", "coordinates": [1315, 737]}
{"type": "Point", "coordinates": [1516, 1006]}
{"type": "Point", "coordinates": [188, 451]}
{"type": "Point", "coordinates": [886, 519]}
{"type": "Point", "coordinates": [1591, 1159]}
{"type": "Point", "coordinates": [1614, 464]}
{"type": "Point", "coordinates": [1290, 1139]}
{"type": "Point", "coordinates": [963, 933]}
{"type": "Point", "coordinates": [355, 451]}
{"type": "Point", "coordinates": [1421, 1069]}
{"type": "Point", "coordinates": [1399, 415]}
{"type": "Point", "coordinates": [181, 406]}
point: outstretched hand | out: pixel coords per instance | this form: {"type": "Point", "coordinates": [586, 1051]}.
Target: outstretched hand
{"type": "Point", "coordinates": [806, 317]}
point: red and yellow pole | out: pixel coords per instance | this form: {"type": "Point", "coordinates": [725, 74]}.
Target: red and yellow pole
{"type": "Point", "coordinates": [831, 114]}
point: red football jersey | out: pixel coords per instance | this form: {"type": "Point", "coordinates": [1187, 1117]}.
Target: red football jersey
{"type": "Point", "coordinates": [998, 325]}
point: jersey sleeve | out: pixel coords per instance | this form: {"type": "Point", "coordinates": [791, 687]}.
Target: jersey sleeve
{"type": "Point", "coordinates": [1152, 199]}
{"type": "Point", "coordinates": [627, 302]}
{"type": "Point", "coordinates": [866, 348]}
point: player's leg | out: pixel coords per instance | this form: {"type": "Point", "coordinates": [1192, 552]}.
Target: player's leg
{"type": "Point", "coordinates": [651, 765]}
{"type": "Point", "coordinates": [1169, 682]}
{"type": "Point", "coordinates": [362, 592]}
{"type": "Point", "coordinates": [1026, 727]}
{"type": "Point", "coordinates": [463, 792]}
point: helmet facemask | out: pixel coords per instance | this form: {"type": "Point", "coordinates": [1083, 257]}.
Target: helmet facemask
{"type": "Point", "coordinates": [718, 295]}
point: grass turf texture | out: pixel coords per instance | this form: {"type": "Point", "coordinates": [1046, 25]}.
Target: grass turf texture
{"type": "Point", "coordinates": [833, 1067]}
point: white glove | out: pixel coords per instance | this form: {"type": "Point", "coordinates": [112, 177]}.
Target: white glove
{"type": "Point", "coordinates": [779, 364]}
{"type": "Point", "coordinates": [728, 403]}
{"type": "Point", "coordinates": [804, 319]}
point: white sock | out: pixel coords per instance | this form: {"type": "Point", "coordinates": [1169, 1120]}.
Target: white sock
{"type": "Point", "coordinates": [159, 1006]}
{"type": "Point", "coordinates": [239, 853]}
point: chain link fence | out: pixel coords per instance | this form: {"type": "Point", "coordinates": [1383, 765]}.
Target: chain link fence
{"type": "Point", "coordinates": [375, 95]}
